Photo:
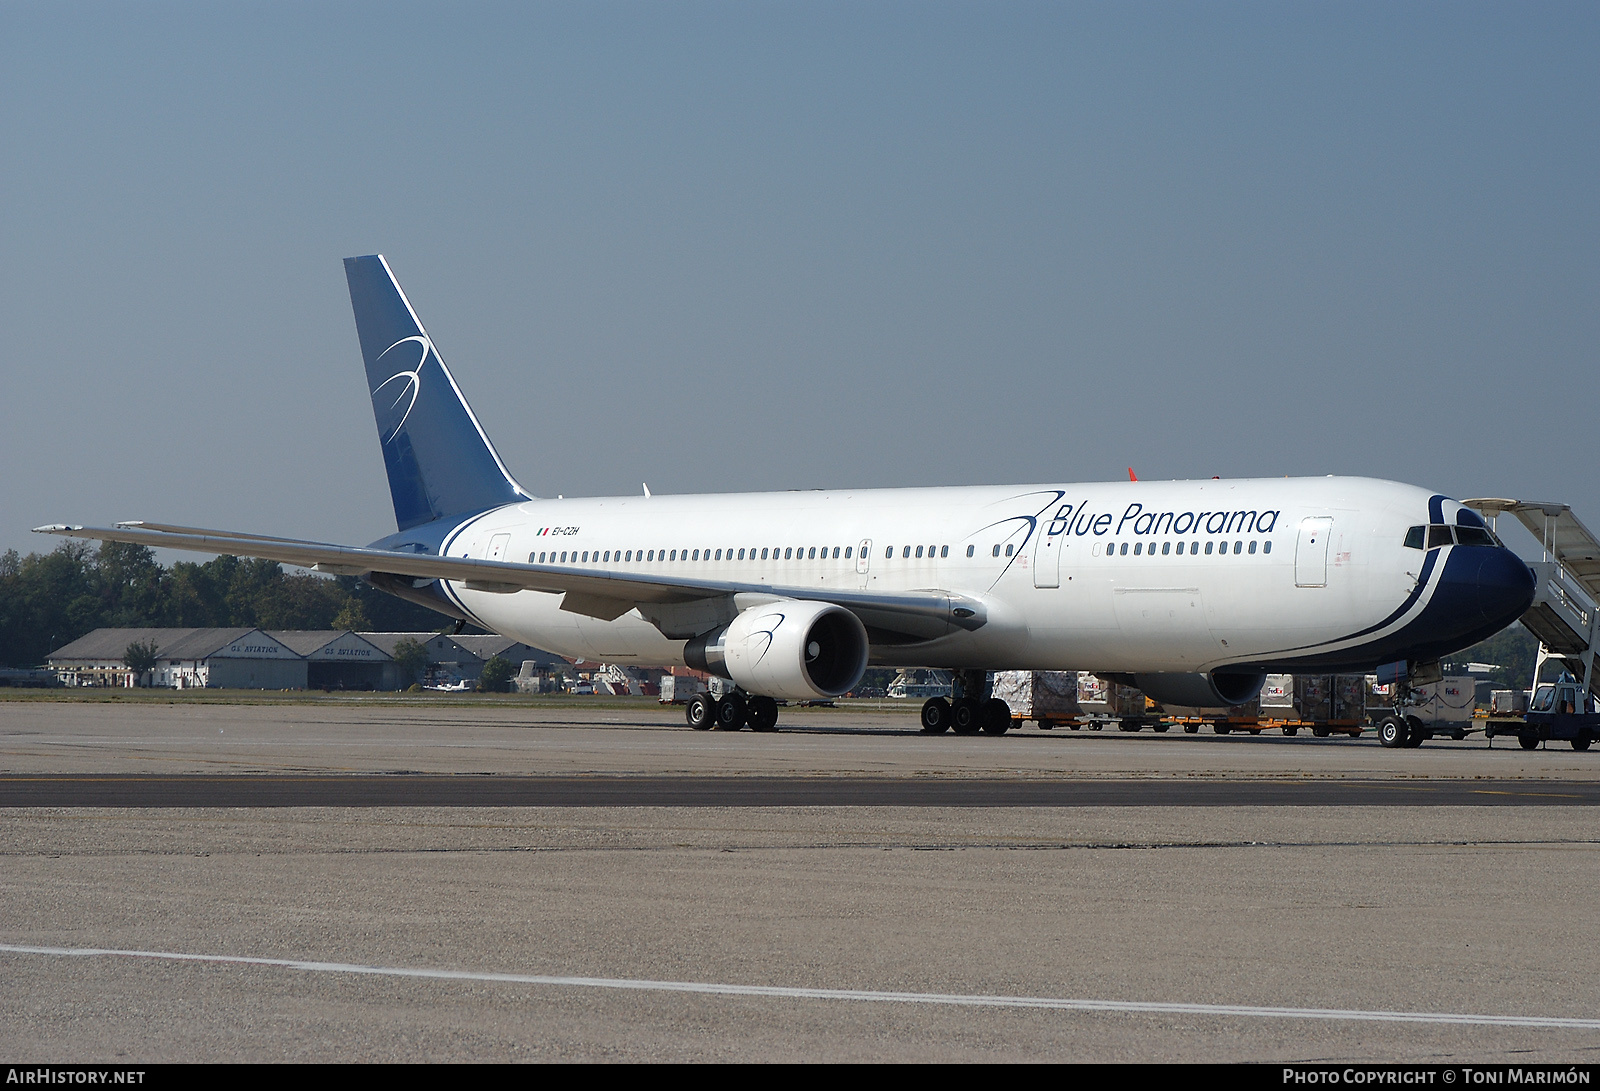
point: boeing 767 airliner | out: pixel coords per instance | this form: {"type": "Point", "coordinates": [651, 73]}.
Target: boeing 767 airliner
{"type": "Point", "coordinates": [1191, 590]}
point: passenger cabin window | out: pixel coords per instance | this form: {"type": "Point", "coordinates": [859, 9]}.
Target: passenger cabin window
{"type": "Point", "coordinates": [971, 550]}
{"type": "Point", "coordinates": [1009, 550]}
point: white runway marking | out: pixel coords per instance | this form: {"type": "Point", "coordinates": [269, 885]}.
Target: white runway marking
{"type": "Point", "coordinates": [792, 993]}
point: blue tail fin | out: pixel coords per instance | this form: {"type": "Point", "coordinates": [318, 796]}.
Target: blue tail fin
{"type": "Point", "coordinates": [439, 461]}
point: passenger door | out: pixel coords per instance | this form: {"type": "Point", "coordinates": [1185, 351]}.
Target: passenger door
{"type": "Point", "coordinates": [1047, 553]}
{"type": "Point", "coordinates": [1311, 551]}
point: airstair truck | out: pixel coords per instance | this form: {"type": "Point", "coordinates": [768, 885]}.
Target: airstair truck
{"type": "Point", "coordinates": [1566, 620]}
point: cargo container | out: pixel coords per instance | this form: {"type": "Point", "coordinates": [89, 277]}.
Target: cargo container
{"type": "Point", "coordinates": [1104, 701]}
{"type": "Point", "coordinates": [1046, 697]}
{"type": "Point", "coordinates": [677, 689]}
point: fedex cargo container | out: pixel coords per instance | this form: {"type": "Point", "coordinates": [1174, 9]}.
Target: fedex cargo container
{"type": "Point", "coordinates": [1046, 697]}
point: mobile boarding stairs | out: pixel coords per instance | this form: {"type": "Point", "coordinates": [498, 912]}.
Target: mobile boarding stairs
{"type": "Point", "coordinates": [1564, 617]}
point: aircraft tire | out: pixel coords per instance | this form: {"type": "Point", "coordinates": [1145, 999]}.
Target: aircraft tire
{"type": "Point", "coordinates": [966, 716]}
{"type": "Point", "coordinates": [1393, 732]}
{"type": "Point", "coordinates": [701, 712]}
{"type": "Point", "coordinates": [996, 716]}
{"type": "Point", "coordinates": [935, 716]}
{"type": "Point", "coordinates": [731, 713]}
{"type": "Point", "coordinates": [1528, 742]}
{"type": "Point", "coordinates": [761, 713]}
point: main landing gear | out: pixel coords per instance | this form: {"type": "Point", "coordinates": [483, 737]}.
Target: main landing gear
{"type": "Point", "coordinates": [969, 713]}
{"type": "Point", "coordinates": [732, 712]}
{"type": "Point", "coordinates": [965, 716]}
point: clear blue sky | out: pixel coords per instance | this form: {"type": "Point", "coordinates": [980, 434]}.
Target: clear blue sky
{"type": "Point", "coordinates": [766, 246]}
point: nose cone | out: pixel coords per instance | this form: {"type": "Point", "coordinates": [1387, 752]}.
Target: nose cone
{"type": "Point", "coordinates": [1492, 587]}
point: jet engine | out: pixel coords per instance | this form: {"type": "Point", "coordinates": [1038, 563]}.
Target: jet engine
{"type": "Point", "coordinates": [1219, 689]}
{"type": "Point", "coordinates": [800, 651]}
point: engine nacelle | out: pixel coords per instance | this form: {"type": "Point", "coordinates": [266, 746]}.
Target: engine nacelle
{"type": "Point", "coordinates": [800, 651]}
{"type": "Point", "coordinates": [1219, 689]}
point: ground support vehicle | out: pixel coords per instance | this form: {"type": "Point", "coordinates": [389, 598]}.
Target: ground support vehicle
{"type": "Point", "coordinates": [1558, 711]}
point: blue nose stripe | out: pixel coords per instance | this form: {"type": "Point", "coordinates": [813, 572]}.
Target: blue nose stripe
{"type": "Point", "coordinates": [1504, 584]}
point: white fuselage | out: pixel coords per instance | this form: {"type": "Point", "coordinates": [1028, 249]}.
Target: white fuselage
{"type": "Point", "coordinates": [1183, 576]}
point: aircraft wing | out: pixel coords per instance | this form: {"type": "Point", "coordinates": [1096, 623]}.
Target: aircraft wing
{"type": "Point", "coordinates": [894, 616]}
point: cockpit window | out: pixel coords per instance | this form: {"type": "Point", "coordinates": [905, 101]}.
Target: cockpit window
{"type": "Point", "coordinates": [1416, 537]}
{"type": "Point", "coordinates": [1439, 536]}
{"type": "Point", "coordinates": [1471, 529]}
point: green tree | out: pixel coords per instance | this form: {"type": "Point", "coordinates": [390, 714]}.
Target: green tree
{"type": "Point", "coordinates": [141, 657]}
{"type": "Point", "coordinates": [496, 676]}
{"type": "Point", "coordinates": [352, 616]}
{"type": "Point", "coordinates": [1513, 650]}
{"type": "Point", "coordinates": [411, 658]}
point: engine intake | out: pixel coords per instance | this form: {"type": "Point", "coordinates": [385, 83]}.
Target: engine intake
{"type": "Point", "coordinates": [796, 650]}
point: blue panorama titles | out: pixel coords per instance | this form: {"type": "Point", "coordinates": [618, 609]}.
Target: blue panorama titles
{"type": "Point", "coordinates": [1083, 522]}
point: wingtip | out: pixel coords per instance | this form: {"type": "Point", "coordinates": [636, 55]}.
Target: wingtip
{"type": "Point", "coordinates": [56, 528]}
